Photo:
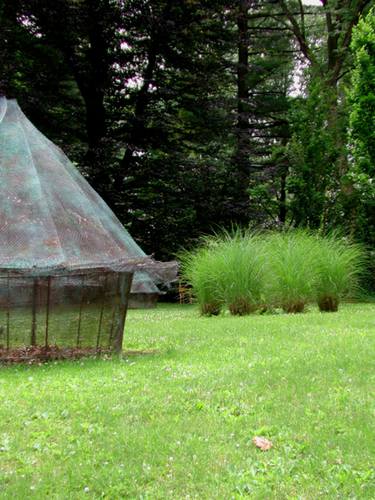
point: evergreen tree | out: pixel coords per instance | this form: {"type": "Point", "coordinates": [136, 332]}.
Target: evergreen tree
{"type": "Point", "coordinates": [318, 151]}
{"type": "Point", "coordinates": [181, 113]}
{"type": "Point", "coordinates": [360, 183]}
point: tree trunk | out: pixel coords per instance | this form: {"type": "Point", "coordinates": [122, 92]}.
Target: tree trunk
{"type": "Point", "coordinates": [282, 196]}
{"type": "Point", "coordinates": [139, 120]}
{"type": "Point", "coordinates": [241, 174]}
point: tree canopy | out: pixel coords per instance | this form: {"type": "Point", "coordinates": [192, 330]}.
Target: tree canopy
{"type": "Point", "coordinates": [188, 116]}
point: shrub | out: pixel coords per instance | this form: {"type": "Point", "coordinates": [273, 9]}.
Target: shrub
{"type": "Point", "coordinates": [199, 270]}
{"type": "Point", "coordinates": [226, 269]}
{"type": "Point", "coordinates": [249, 272]}
{"type": "Point", "coordinates": [339, 265]}
{"type": "Point", "coordinates": [241, 279]}
{"type": "Point", "coordinates": [291, 273]}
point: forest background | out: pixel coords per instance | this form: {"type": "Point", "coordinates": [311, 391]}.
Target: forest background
{"type": "Point", "coordinates": [191, 115]}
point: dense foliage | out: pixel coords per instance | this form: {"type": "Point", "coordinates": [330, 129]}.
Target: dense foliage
{"type": "Point", "coordinates": [249, 272]}
{"type": "Point", "coordinates": [190, 115]}
{"type": "Point", "coordinates": [362, 130]}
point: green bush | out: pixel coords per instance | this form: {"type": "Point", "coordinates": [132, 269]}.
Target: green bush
{"type": "Point", "coordinates": [226, 269]}
{"type": "Point", "coordinates": [248, 272]}
{"type": "Point", "coordinates": [291, 273]}
{"type": "Point", "coordinates": [199, 270]}
{"type": "Point", "coordinates": [339, 265]}
{"type": "Point", "coordinates": [241, 268]}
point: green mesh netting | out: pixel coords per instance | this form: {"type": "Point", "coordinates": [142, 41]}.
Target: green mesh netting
{"type": "Point", "coordinates": [144, 293]}
{"type": "Point", "coordinates": [51, 220]}
{"type": "Point", "coordinates": [66, 261]}
{"type": "Point", "coordinates": [142, 283]}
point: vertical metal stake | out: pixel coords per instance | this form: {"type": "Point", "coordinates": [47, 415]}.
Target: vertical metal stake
{"type": "Point", "coordinates": [125, 285]}
{"type": "Point", "coordinates": [80, 312]}
{"type": "Point", "coordinates": [8, 311]}
{"type": "Point", "coordinates": [47, 308]}
{"type": "Point", "coordinates": [34, 308]}
{"type": "Point", "coordinates": [101, 312]}
{"type": "Point", "coordinates": [115, 307]}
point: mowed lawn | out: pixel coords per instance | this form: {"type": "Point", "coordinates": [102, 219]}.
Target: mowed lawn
{"type": "Point", "coordinates": [178, 420]}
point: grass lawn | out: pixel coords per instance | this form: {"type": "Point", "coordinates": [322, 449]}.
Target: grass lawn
{"type": "Point", "coordinates": [178, 421]}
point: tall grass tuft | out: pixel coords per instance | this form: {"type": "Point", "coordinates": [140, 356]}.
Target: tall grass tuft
{"type": "Point", "coordinates": [227, 269]}
{"type": "Point", "coordinates": [199, 269]}
{"type": "Point", "coordinates": [291, 273]}
{"type": "Point", "coordinates": [246, 272]}
{"type": "Point", "coordinates": [339, 265]}
{"type": "Point", "coordinates": [242, 266]}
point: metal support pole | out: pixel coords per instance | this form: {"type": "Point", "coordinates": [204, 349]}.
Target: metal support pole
{"type": "Point", "coordinates": [115, 308]}
{"type": "Point", "coordinates": [80, 311]}
{"type": "Point", "coordinates": [47, 308]}
{"type": "Point", "coordinates": [125, 283]}
{"type": "Point", "coordinates": [33, 311]}
{"type": "Point", "coordinates": [101, 312]}
{"type": "Point", "coordinates": [8, 311]}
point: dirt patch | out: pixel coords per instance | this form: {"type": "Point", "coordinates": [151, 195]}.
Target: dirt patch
{"type": "Point", "coordinates": [328, 304]}
{"type": "Point", "coordinates": [42, 354]}
{"type": "Point", "coordinates": [294, 307]}
{"type": "Point", "coordinates": [210, 309]}
{"type": "Point", "coordinates": [242, 307]}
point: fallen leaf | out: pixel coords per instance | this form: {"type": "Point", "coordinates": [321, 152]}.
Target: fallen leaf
{"type": "Point", "coordinates": [262, 443]}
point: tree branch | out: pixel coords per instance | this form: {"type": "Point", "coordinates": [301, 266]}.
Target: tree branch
{"type": "Point", "coordinates": [302, 14]}
{"type": "Point", "coordinates": [345, 40]}
{"type": "Point", "coordinates": [298, 33]}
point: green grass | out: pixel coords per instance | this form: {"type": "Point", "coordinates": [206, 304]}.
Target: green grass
{"type": "Point", "coordinates": [178, 422]}
{"type": "Point", "coordinates": [227, 269]}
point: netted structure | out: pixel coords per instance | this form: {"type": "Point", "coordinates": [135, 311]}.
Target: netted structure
{"type": "Point", "coordinates": [144, 293]}
{"type": "Point", "coordinates": [66, 261]}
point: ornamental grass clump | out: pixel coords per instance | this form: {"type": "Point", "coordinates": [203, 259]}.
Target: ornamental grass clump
{"type": "Point", "coordinates": [227, 269]}
{"type": "Point", "coordinates": [247, 272]}
{"type": "Point", "coordinates": [241, 279]}
{"type": "Point", "coordinates": [340, 265]}
{"type": "Point", "coordinates": [291, 273]}
{"type": "Point", "coordinates": [199, 270]}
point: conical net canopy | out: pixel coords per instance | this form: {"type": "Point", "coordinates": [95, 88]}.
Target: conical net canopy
{"type": "Point", "coordinates": [51, 220]}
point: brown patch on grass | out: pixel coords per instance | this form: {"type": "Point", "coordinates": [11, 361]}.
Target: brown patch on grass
{"type": "Point", "coordinates": [210, 309]}
{"type": "Point", "coordinates": [328, 304]}
{"type": "Point", "coordinates": [262, 443]}
{"type": "Point", "coordinates": [294, 307]}
{"type": "Point", "coordinates": [42, 354]}
{"type": "Point", "coordinates": [242, 307]}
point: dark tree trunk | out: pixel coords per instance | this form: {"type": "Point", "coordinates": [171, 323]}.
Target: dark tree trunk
{"type": "Point", "coordinates": [282, 196]}
{"type": "Point", "coordinates": [8, 46]}
{"type": "Point", "coordinates": [139, 121]}
{"type": "Point", "coordinates": [87, 54]}
{"type": "Point", "coordinates": [92, 85]}
{"type": "Point", "coordinates": [241, 174]}
{"type": "Point", "coordinates": [96, 132]}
